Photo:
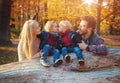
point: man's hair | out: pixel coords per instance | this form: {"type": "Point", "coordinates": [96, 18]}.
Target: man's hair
{"type": "Point", "coordinates": [91, 21]}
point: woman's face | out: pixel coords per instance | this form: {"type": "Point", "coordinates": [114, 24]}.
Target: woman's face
{"type": "Point", "coordinates": [37, 30]}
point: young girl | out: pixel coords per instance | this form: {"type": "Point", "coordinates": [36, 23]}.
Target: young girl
{"type": "Point", "coordinates": [70, 40]}
{"type": "Point", "coordinates": [50, 44]}
{"type": "Point", "coordinates": [28, 46]}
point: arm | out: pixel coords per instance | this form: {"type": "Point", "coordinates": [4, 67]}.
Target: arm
{"type": "Point", "coordinates": [99, 48]}
{"type": "Point", "coordinates": [43, 37]}
{"type": "Point", "coordinates": [37, 55]}
{"type": "Point", "coordinates": [75, 37]}
{"type": "Point", "coordinates": [21, 54]}
{"type": "Point", "coordinates": [60, 43]}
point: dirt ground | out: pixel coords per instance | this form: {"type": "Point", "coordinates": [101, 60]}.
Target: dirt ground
{"type": "Point", "coordinates": [112, 41]}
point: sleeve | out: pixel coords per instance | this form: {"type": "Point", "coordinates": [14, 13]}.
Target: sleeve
{"type": "Point", "coordinates": [42, 36]}
{"type": "Point", "coordinates": [98, 48]}
{"type": "Point", "coordinates": [21, 54]}
{"type": "Point", "coordinates": [39, 36]}
{"type": "Point", "coordinates": [75, 37]}
{"type": "Point", "coordinates": [60, 43]}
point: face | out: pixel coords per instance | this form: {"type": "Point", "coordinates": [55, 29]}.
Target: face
{"type": "Point", "coordinates": [37, 30]}
{"type": "Point", "coordinates": [62, 29]}
{"type": "Point", "coordinates": [82, 28]}
{"type": "Point", "coordinates": [55, 28]}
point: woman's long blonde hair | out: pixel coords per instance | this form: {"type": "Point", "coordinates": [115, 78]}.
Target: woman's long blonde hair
{"type": "Point", "coordinates": [26, 36]}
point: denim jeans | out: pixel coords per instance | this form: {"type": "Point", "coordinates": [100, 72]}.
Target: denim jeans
{"type": "Point", "coordinates": [49, 49]}
{"type": "Point", "coordinates": [77, 50]}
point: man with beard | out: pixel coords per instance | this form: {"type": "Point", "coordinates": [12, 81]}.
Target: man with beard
{"type": "Point", "coordinates": [91, 41]}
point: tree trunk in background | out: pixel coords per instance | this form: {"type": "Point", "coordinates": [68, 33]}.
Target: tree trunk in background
{"type": "Point", "coordinates": [5, 8]}
{"type": "Point", "coordinates": [98, 16]}
{"type": "Point", "coordinates": [45, 11]}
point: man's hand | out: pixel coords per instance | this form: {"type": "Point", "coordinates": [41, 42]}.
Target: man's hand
{"type": "Point", "coordinates": [82, 45]}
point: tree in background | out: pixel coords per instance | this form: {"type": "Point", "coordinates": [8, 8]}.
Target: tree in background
{"type": "Point", "coordinates": [44, 10]}
{"type": "Point", "coordinates": [5, 6]}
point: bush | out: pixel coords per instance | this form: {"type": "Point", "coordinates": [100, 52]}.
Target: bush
{"type": "Point", "coordinates": [15, 32]}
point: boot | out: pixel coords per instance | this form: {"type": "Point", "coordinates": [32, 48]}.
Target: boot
{"type": "Point", "coordinates": [81, 62]}
{"type": "Point", "coordinates": [44, 62]}
{"type": "Point", "coordinates": [58, 62]}
{"type": "Point", "coordinates": [67, 59]}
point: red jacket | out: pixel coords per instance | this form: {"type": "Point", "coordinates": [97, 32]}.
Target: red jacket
{"type": "Point", "coordinates": [66, 38]}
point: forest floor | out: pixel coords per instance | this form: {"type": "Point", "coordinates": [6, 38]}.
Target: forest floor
{"type": "Point", "coordinates": [8, 54]}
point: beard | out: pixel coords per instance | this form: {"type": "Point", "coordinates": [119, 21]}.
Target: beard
{"type": "Point", "coordinates": [82, 32]}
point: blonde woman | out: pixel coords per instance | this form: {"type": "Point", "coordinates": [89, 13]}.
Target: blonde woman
{"type": "Point", "coordinates": [28, 47]}
{"type": "Point", "coordinates": [50, 44]}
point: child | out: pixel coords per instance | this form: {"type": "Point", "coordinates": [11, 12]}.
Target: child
{"type": "Point", "coordinates": [70, 40]}
{"type": "Point", "coordinates": [50, 44]}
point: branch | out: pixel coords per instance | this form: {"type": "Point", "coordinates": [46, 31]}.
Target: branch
{"type": "Point", "coordinates": [106, 16]}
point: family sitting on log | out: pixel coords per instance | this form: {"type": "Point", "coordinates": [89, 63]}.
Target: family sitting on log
{"type": "Point", "coordinates": [59, 40]}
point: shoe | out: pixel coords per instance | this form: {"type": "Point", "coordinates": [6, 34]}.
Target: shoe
{"type": "Point", "coordinates": [58, 62]}
{"type": "Point", "coordinates": [67, 59]}
{"type": "Point", "coordinates": [44, 63]}
{"type": "Point", "coordinates": [81, 62]}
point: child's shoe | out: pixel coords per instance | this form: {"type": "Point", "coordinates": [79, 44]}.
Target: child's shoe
{"type": "Point", "coordinates": [44, 62]}
{"type": "Point", "coordinates": [58, 62]}
{"type": "Point", "coordinates": [81, 62]}
{"type": "Point", "coordinates": [67, 59]}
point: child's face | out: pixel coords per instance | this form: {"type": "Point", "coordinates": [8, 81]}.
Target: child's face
{"type": "Point", "coordinates": [55, 28]}
{"type": "Point", "coordinates": [62, 29]}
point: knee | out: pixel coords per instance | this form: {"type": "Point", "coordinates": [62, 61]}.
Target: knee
{"type": "Point", "coordinates": [47, 46]}
{"type": "Point", "coordinates": [64, 49]}
{"type": "Point", "coordinates": [77, 49]}
{"type": "Point", "coordinates": [56, 51]}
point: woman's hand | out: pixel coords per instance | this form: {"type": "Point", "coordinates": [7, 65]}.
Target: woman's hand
{"type": "Point", "coordinates": [37, 55]}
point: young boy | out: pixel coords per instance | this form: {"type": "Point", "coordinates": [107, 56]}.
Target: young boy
{"type": "Point", "coordinates": [70, 39]}
{"type": "Point", "coordinates": [50, 44]}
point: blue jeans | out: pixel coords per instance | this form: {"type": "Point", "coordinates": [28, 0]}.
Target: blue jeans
{"type": "Point", "coordinates": [77, 50]}
{"type": "Point", "coordinates": [49, 49]}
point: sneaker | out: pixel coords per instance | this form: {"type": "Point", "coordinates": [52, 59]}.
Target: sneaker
{"type": "Point", "coordinates": [58, 62]}
{"type": "Point", "coordinates": [67, 59]}
{"type": "Point", "coordinates": [81, 62]}
{"type": "Point", "coordinates": [44, 63]}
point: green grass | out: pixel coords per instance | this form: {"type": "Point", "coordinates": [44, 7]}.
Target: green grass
{"type": "Point", "coordinates": [8, 54]}
{"type": "Point", "coordinates": [15, 32]}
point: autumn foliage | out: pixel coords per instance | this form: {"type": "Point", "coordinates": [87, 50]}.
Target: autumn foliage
{"type": "Point", "coordinates": [43, 10]}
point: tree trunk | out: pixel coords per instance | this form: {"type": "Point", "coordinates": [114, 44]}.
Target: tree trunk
{"type": "Point", "coordinates": [5, 8]}
{"type": "Point", "coordinates": [98, 16]}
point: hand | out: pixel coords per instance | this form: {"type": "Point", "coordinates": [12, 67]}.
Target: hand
{"type": "Point", "coordinates": [82, 45]}
{"type": "Point", "coordinates": [38, 54]}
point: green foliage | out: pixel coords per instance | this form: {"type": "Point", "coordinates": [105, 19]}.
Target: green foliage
{"type": "Point", "coordinates": [8, 54]}
{"type": "Point", "coordinates": [15, 32]}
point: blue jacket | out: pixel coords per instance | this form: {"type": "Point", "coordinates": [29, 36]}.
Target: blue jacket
{"type": "Point", "coordinates": [43, 36]}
